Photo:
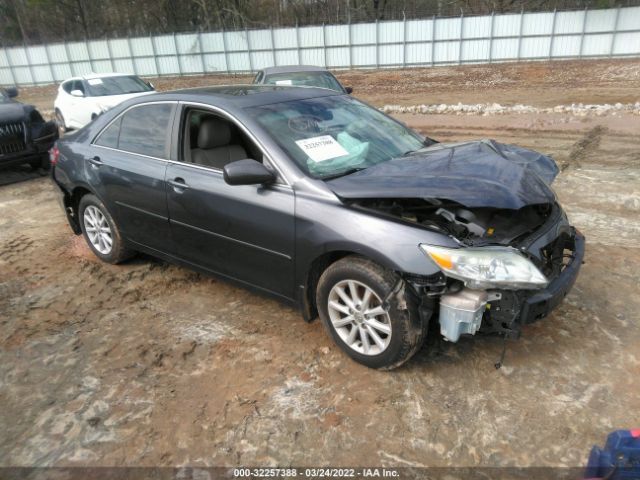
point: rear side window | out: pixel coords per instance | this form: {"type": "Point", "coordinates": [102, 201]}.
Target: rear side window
{"type": "Point", "coordinates": [66, 86]}
{"type": "Point", "coordinates": [143, 130]}
{"type": "Point", "coordinates": [109, 136]}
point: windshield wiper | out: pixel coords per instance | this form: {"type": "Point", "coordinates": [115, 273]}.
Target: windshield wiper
{"type": "Point", "coordinates": [343, 173]}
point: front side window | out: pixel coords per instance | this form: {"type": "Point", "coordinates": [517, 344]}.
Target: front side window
{"type": "Point", "coordinates": [77, 85]}
{"type": "Point", "coordinates": [330, 136]}
{"type": "Point", "coordinates": [144, 130]}
{"type": "Point", "coordinates": [121, 85]}
{"type": "Point", "coordinates": [305, 79]}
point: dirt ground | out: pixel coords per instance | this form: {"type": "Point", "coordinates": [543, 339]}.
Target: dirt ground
{"type": "Point", "coordinates": [542, 84]}
{"type": "Point", "coordinates": [150, 364]}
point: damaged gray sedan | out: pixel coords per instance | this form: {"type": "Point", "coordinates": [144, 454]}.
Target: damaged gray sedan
{"type": "Point", "coordinates": [326, 203]}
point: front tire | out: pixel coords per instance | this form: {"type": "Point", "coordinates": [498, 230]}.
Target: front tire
{"type": "Point", "coordinates": [360, 311]}
{"type": "Point", "coordinates": [100, 231]}
{"type": "Point", "coordinates": [41, 165]}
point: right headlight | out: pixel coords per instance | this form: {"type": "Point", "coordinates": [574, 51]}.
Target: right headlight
{"type": "Point", "coordinates": [487, 267]}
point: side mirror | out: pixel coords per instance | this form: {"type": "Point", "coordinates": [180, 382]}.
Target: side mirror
{"type": "Point", "coordinates": [349, 90]}
{"type": "Point", "coordinates": [12, 92]}
{"type": "Point", "coordinates": [247, 172]}
{"type": "Point", "coordinates": [77, 93]}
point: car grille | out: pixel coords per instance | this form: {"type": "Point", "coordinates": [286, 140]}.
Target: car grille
{"type": "Point", "coordinates": [12, 138]}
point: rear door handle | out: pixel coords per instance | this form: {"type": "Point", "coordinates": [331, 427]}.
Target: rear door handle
{"type": "Point", "coordinates": [96, 162]}
{"type": "Point", "coordinates": [178, 184]}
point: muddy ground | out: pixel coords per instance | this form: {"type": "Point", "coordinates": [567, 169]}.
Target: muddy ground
{"type": "Point", "coordinates": [152, 364]}
{"type": "Point", "coordinates": [542, 84]}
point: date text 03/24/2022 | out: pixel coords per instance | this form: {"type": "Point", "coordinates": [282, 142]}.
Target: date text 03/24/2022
{"type": "Point", "coordinates": [316, 472]}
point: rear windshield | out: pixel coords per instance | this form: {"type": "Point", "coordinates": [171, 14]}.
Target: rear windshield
{"type": "Point", "coordinates": [306, 79]}
{"type": "Point", "coordinates": [100, 87]}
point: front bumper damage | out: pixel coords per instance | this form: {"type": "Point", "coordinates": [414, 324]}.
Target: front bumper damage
{"type": "Point", "coordinates": [462, 310]}
{"type": "Point", "coordinates": [538, 305]}
{"type": "Point", "coordinates": [512, 309]}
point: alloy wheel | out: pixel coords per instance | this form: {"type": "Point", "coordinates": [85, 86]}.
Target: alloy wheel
{"type": "Point", "coordinates": [358, 317]}
{"type": "Point", "coordinates": [98, 230]}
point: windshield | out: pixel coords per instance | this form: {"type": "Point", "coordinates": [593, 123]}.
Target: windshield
{"type": "Point", "coordinates": [100, 87]}
{"type": "Point", "coordinates": [4, 98]}
{"type": "Point", "coordinates": [305, 79]}
{"type": "Point", "coordinates": [332, 136]}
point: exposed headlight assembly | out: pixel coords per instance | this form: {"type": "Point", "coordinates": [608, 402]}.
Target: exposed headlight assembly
{"type": "Point", "coordinates": [487, 267]}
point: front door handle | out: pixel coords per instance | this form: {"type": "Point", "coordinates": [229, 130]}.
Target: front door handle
{"type": "Point", "coordinates": [96, 162]}
{"type": "Point", "coordinates": [178, 184]}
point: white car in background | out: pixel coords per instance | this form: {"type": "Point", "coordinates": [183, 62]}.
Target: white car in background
{"type": "Point", "coordinates": [81, 99]}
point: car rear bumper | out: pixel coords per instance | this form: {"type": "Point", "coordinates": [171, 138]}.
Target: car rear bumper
{"type": "Point", "coordinates": [541, 303]}
{"type": "Point", "coordinates": [65, 201]}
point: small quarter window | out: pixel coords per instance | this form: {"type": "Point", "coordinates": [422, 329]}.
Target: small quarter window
{"type": "Point", "coordinates": [109, 136]}
{"type": "Point", "coordinates": [146, 130]}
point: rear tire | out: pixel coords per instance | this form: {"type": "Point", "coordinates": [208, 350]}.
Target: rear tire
{"type": "Point", "coordinates": [100, 231]}
{"type": "Point", "coordinates": [351, 296]}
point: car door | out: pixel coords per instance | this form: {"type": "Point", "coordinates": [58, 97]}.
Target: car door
{"type": "Point", "coordinates": [63, 101]}
{"type": "Point", "coordinates": [127, 164]}
{"type": "Point", "coordinates": [243, 232]}
{"type": "Point", "coordinates": [76, 105]}
{"type": "Point", "coordinates": [86, 106]}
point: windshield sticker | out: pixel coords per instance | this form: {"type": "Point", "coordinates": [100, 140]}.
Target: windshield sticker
{"type": "Point", "coordinates": [320, 149]}
{"type": "Point", "coordinates": [94, 81]}
{"type": "Point", "coordinates": [284, 82]}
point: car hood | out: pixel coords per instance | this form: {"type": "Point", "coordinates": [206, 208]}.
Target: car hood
{"type": "Point", "coordinates": [482, 173]}
{"type": "Point", "coordinates": [14, 112]}
{"type": "Point", "coordinates": [110, 101]}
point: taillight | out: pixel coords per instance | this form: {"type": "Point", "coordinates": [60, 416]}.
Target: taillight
{"type": "Point", "coordinates": [54, 155]}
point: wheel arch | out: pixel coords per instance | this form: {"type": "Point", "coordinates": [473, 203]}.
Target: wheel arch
{"type": "Point", "coordinates": [320, 263]}
{"type": "Point", "coordinates": [71, 204]}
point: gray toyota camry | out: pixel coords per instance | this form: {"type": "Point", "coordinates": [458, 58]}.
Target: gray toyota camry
{"type": "Point", "coordinates": [323, 201]}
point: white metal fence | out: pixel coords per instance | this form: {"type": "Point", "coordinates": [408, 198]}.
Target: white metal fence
{"type": "Point", "coordinates": [434, 41]}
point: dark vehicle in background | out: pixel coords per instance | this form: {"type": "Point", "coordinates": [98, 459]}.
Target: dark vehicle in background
{"type": "Point", "coordinates": [25, 137]}
{"type": "Point", "coordinates": [328, 204]}
{"type": "Point", "coordinates": [300, 76]}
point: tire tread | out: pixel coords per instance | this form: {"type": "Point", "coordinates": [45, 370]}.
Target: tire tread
{"type": "Point", "coordinates": [413, 334]}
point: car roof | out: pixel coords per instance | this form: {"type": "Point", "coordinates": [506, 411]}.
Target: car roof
{"type": "Point", "coordinates": [292, 69]}
{"type": "Point", "coordinates": [234, 97]}
{"type": "Point", "coordinates": [90, 76]}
